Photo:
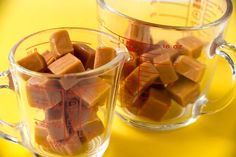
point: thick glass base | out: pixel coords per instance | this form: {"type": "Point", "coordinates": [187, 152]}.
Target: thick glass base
{"type": "Point", "coordinates": [97, 151]}
{"type": "Point", "coordinates": [155, 127]}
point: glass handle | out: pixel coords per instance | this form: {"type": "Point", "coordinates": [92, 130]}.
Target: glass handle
{"type": "Point", "coordinates": [219, 104]}
{"type": "Point", "coordinates": [8, 131]}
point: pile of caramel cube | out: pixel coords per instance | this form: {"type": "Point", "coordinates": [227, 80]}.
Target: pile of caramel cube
{"type": "Point", "coordinates": [157, 74]}
{"type": "Point", "coordinates": [70, 104]}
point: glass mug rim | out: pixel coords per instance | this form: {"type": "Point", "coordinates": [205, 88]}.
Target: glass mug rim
{"type": "Point", "coordinates": [223, 18]}
{"type": "Point", "coordinates": [121, 55]}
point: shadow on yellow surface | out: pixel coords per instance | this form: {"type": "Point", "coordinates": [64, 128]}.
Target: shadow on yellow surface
{"type": "Point", "coordinates": [211, 136]}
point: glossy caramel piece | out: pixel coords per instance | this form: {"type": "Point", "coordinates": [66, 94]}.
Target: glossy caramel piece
{"type": "Point", "coordinates": [184, 91]}
{"type": "Point", "coordinates": [85, 53]}
{"type": "Point", "coordinates": [130, 65]}
{"type": "Point", "coordinates": [40, 135]}
{"type": "Point", "coordinates": [92, 91]}
{"type": "Point", "coordinates": [77, 113]}
{"type": "Point", "coordinates": [190, 68]}
{"type": "Point", "coordinates": [156, 106]}
{"type": "Point", "coordinates": [73, 145]}
{"type": "Point", "coordinates": [103, 56]}
{"type": "Point", "coordinates": [33, 61]}
{"type": "Point", "coordinates": [139, 38]}
{"type": "Point", "coordinates": [157, 50]}
{"type": "Point", "coordinates": [166, 69]}
{"type": "Point", "coordinates": [66, 65]}
{"type": "Point", "coordinates": [73, 114]}
{"type": "Point", "coordinates": [141, 78]}
{"type": "Point", "coordinates": [55, 112]}
{"type": "Point", "coordinates": [191, 46]}
{"type": "Point", "coordinates": [43, 93]}
{"type": "Point", "coordinates": [48, 57]}
{"type": "Point", "coordinates": [126, 98]}
{"type": "Point", "coordinates": [60, 43]}
{"type": "Point", "coordinates": [67, 82]}
{"type": "Point", "coordinates": [150, 55]}
{"type": "Point", "coordinates": [70, 146]}
{"type": "Point", "coordinates": [57, 129]}
{"type": "Point", "coordinates": [92, 129]}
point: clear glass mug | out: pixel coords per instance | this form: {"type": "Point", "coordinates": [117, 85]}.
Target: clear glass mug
{"type": "Point", "coordinates": [191, 34]}
{"type": "Point", "coordinates": [70, 127]}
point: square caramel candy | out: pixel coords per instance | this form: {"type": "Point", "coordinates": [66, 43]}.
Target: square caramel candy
{"type": "Point", "coordinates": [57, 129]}
{"type": "Point", "coordinates": [56, 146]}
{"type": "Point", "coordinates": [60, 43]}
{"type": "Point", "coordinates": [67, 82]}
{"type": "Point", "coordinates": [166, 69]}
{"type": "Point", "coordinates": [130, 65]}
{"type": "Point", "coordinates": [160, 49]}
{"type": "Point", "coordinates": [104, 55]}
{"type": "Point", "coordinates": [71, 146]}
{"type": "Point", "coordinates": [141, 78]}
{"type": "Point", "coordinates": [48, 57]}
{"type": "Point", "coordinates": [43, 93]}
{"type": "Point", "coordinates": [139, 38]}
{"type": "Point", "coordinates": [190, 68]}
{"type": "Point", "coordinates": [156, 106]}
{"type": "Point", "coordinates": [85, 53]}
{"type": "Point", "coordinates": [55, 112]}
{"type": "Point", "coordinates": [77, 113]}
{"type": "Point", "coordinates": [137, 105]}
{"type": "Point", "coordinates": [126, 98]}
{"type": "Point", "coordinates": [191, 46]}
{"type": "Point", "coordinates": [40, 135]}
{"type": "Point", "coordinates": [92, 91]}
{"type": "Point", "coordinates": [33, 61]}
{"type": "Point", "coordinates": [66, 65]}
{"type": "Point", "coordinates": [150, 55]}
{"type": "Point", "coordinates": [184, 91]}
{"type": "Point", "coordinates": [92, 129]}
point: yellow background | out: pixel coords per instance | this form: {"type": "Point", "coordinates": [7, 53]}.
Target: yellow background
{"type": "Point", "coordinates": [211, 136]}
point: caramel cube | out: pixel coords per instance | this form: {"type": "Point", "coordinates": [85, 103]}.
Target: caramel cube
{"type": "Point", "coordinates": [190, 68]}
{"type": "Point", "coordinates": [159, 50]}
{"type": "Point", "coordinates": [60, 43]}
{"type": "Point", "coordinates": [71, 146]}
{"type": "Point", "coordinates": [141, 78]}
{"type": "Point", "coordinates": [165, 68]}
{"type": "Point", "coordinates": [184, 91]}
{"type": "Point", "coordinates": [66, 65]}
{"type": "Point", "coordinates": [54, 113]}
{"type": "Point", "coordinates": [33, 61]}
{"type": "Point", "coordinates": [156, 106]}
{"type": "Point", "coordinates": [48, 57]}
{"type": "Point", "coordinates": [191, 46]}
{"type": "Point", "coordinates": [85, 53]}
{"type": "Point", "coordinates": [104, 55]}
{"type": "Point", "coordinates": [57, 129]}
{"type": "Point", "coordinates": [40, 135]}
{"type": "Point", "coordinates": [150, 55]}
{"type": "Point", "coordinates": [67, 82]}
{"type": "Point", "coordinates": [130, 65]}
{"type": "Point", "coordinates": [77, 113]}
{"type": "Point", "coordinates": [43, 93]}
{"type": "Point", "coordinates": [92, 129]}
{"type": "Point", "coordinates": [126, 98]}
{"type": "Point", "coordinates": [92, 91]}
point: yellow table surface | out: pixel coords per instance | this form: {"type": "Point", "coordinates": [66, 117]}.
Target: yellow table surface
{"type": "Point", "coordinates": [211, 136]}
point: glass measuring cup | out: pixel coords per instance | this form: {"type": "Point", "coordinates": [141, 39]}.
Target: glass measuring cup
{"type": "Point", "coordinates": [70, 126]}
{"type": "Point", "coordinates": [173, 47]}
